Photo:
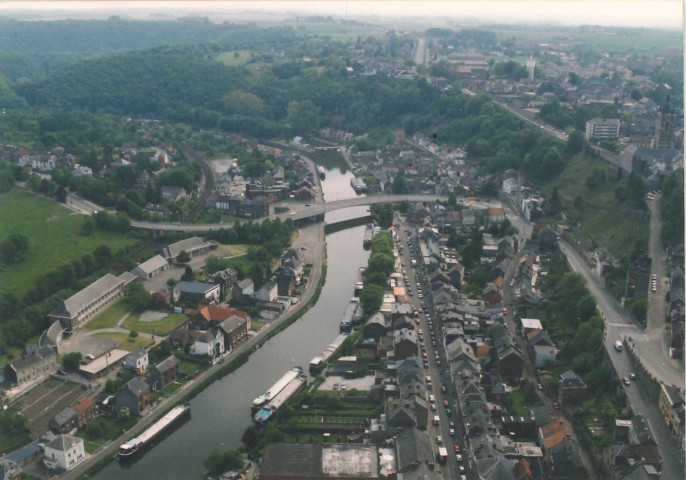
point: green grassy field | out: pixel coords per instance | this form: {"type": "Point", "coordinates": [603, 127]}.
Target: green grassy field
{"type": "Point", "coordinates": [125, 342]}
{"type": "Point", "coordinates": [159, 327]}
{"type": "Point", "coordinates": [54, 238]}
{"type": "Point", "coordinates": [110, 317]}
{"type": "Point", "coordinates": [229, 58]}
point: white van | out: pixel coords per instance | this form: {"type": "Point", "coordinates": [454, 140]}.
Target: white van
{"type": "Point", "coordinates": [437, 419]}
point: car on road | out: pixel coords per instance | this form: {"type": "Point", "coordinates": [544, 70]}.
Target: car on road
{"type": "Point", "coordinates": [451, 432]}
{"type": "Point", "coordinates": [335, 386]}
{"type": "Point", "coordinates": [654, 276]}
{"type": "Point", "coordinates": [343, 386]}
{"type": "Point", "coordinates": [308, 205]}
{"type": "Point", "coordinates": [439, 439]}
{"type": "Point", "coordinates": [457, 448]}
{"type": "Point", "coordinates": [626, 381]}
{"type": "Point", "coordinates": [632, 376]}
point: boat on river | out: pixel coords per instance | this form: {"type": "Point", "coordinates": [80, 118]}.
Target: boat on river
{"type": "Point", "coordinates": [280, 399]}
{"type": "Point", "coordinates": [318, 363]}
{"type": "Point", "coordinates": [280, 384]}
{"type": "Point", "coordinates": [136, 444]}
{"type": "Point", "coordinates": [368, 235]}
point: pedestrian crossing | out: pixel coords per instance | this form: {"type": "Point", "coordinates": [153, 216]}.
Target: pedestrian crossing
{"type": "Point", "coordinates": [622, 325]}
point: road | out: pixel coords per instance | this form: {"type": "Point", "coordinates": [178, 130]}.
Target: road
{"type": "Point", "coordinates": [420, 52]}
{"type": "Point", "coordinates": [298, 211]}
{"type": "Point", "coordinates": [639, 399]}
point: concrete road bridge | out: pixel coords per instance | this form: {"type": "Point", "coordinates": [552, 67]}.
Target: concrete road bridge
{"type": "Point", "coordinates": [298, 211]}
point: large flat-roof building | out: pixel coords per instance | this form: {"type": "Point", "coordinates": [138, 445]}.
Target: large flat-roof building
{"type": "Point", "coordinates": [192, 246]}
{"type": "Point", "coordinates": [84, 305]}
{"type": "Point", "coordinates": [603, 128]}
{"type": "Point", "coordinates": [318, 461]}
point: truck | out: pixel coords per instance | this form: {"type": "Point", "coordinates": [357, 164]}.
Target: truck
{"type": "Point", "coordinates": [618, 346]}
{"type": "Point", "coordinates": [442, 454]}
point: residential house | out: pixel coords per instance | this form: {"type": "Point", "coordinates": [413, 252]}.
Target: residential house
{"type": "Point", "coordinates": [541, 348]}
{"type": "Point", "coordinates": [244, 290]}
{"type": "Point", "coordinates": [137, 360]}
{"type": "Point", "coordinates": [134, 395]}
{"type": "Point", "coordinates": [671, 403]}
{"type": "Point", "coordinates": [226, 279]}
{"type": "Point", "coordinates": [32, 366]}
{"type": "Point", "coordinates": [211, 343]}
{"type": "Point", "coordinates": [172, 194]}
{"type": "Point", "coordinates": [64, 452]}
{"type": "Point", "coordinates": [552, 434]}
{"type": "Point", "coordinates": [404, 343]}
{"type": "Point", "coordinates": [235, 329]}
{"type": "Point", "coordinates": [10, 469]}
{"type": "Point", "coordinates": [164, 372]}
{"type": "Point", "coordinates": [150, 268]}
{"type": "Point", "coordinates": [572, 389]}
{"type": "Point", "coordinates": [196, 291]}
{"type": "Point", "coordinates": [413, 448]}
{"type": "Point", "coordinates": [268, 292]}
{"type": "Point", "coordinates": [75, 417]}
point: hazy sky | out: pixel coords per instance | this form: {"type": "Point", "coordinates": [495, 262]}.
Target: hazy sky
{"type": "Point", "coordinates": [655, 13]}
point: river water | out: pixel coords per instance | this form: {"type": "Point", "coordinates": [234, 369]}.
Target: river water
{"type": "Point", "coordinates": [221, 412]}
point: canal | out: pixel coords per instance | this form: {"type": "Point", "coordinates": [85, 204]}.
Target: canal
{"type": "Point", "coordinates": [221, 412]}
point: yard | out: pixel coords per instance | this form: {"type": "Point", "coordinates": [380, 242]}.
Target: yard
{"type": "Point", "coordinates": [158, 327]}
{"type": "Point", "coordinates": [54, 234]}
{"type": "Point", "coordinates": [109, 317]}
{"type": "Point", "coordinates": [125, 341]}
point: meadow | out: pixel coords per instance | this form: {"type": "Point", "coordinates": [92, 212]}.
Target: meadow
{"type": "Point", "coordinates": [54, 234]}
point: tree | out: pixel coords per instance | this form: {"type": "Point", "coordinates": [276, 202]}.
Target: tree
{"type": "Point", "coordinates": [187, 274]}
{"type": "Point", "coordinates": [183, 257]}
{"type": "Point", "coordinates": [575, 142]}
{"type": "Point", "coordinates": [72, 361]}
{"type": "Point", "coordinates": [139, 298]}
{"type": "Point", "coordinates": [221, 460]}
{"type": "Point", "coordinates": [250, 438]}
{"type": "Point", "coordinates": [133, 334]}
{"type": "Point", "coordinates": [371, 298]}
{"type": "Point", "coordinates": [14, 248]}
{"type": "Point", "coordinates": [554, 205]}
{"type": "Point", "coordinates": [399, 185]}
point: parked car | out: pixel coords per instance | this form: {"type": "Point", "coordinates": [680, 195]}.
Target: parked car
{"type": "Point", "coordinates": [626, 381]}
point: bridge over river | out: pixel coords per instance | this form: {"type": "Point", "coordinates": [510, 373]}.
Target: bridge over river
{"type": "Point", "coordinates": [298, 211]}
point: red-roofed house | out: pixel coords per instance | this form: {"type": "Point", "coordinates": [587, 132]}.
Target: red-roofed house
{"type": "Point", "coordinates": [551, 434]}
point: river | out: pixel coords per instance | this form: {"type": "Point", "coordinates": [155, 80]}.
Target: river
{"type": "Point", "coordinates": [221, 412]}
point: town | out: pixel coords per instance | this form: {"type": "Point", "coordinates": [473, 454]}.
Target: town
{"type": "Point", "coordinates": [483, 280]}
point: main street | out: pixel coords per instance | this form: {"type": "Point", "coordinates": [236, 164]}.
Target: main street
{"type": "Point", "coordinates": [639, 399]}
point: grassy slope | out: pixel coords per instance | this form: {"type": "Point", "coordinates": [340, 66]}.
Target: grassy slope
{"type": "Point", "coordinates": [607, 222]}
{"type": "Point", "coordinates": [54, 239]}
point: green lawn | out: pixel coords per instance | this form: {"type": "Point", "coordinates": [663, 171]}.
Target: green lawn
{"type": "Point", "coordinates": [230, 58]}
{"type": "Point", "coordinates": [189, 368]}
{"type": "Point", "coordinates": [110, 317]}
{"type": "Point", "coordinates": [159, 327]}
{"type": "Point", "coordinates": [54, 238]}
{"type": "Point", "coordinates": [125, 342]}
{"type": "Point", "coordinates": [519, 406]}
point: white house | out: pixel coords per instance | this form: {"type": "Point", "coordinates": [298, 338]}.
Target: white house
{"type": "Point", "coordinates": [268, 292]}
{"type": "Point", "coordinates": [64, 452]}
{"type": "Point", "coordinates": [209, 343]}
{"type": "Point", "coordinates": [137, 360]}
